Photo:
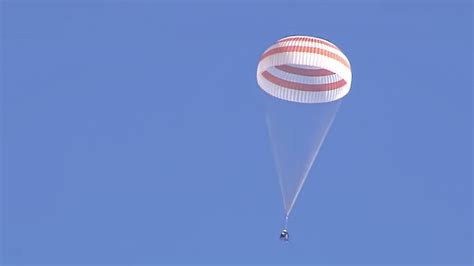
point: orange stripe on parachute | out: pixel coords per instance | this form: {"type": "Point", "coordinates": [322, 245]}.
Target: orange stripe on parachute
{"type": "Point", "coordinates": [305, 71]}
{"type": "Point", "coordinates": [305, 49]}
{"type": "Point", "coordinates": [306, 39]}
{"type": "Point", "coordinates": [302, 86]}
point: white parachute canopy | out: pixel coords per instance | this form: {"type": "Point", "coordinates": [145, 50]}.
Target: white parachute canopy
{"type": "Point", "coordinates": [305, 79]}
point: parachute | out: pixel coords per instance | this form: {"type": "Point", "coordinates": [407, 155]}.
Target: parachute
{"type": "Point", "coordinates": [305, 79]}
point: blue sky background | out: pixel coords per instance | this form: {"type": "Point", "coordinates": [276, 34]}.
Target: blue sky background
{"type": "Point", "coordinates": [135, 133]}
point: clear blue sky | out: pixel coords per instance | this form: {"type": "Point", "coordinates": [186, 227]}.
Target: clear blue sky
{"type": "Point", "coordinates": [135, 133]}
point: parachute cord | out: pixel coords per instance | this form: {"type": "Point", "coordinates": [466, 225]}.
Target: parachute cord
{"type": "Point", "coordinates": [286, 222]}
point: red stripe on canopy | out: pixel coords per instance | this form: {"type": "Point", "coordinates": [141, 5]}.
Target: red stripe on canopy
{"type": "Point", "coordinates": [308, 39]}
{"type": "Point", "coordinates": [302, 86]}
{"type": "Point", "coordinates": [305, 49]}
{"type": "Point", "coordinates": [320, 72]}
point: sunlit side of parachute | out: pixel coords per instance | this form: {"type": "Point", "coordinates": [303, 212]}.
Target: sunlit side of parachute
{"type": "Point", "coordinates": [305, 79]}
